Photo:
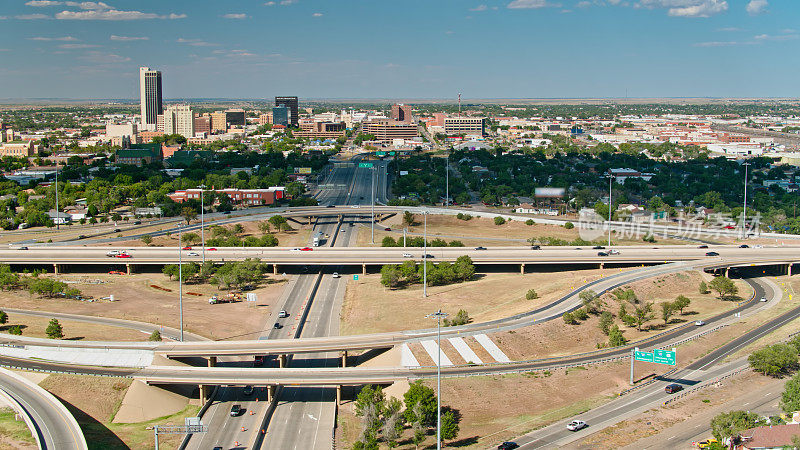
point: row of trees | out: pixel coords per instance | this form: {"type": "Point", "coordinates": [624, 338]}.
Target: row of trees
{"type": "Point", "coordinates": [233, 274]}
{"type": "Point", "coordinates": [400, 275]}
{"type": "Point", "coordinates": [418, 241]}
{"type": "Point", "coordinates": [45, 287]}
{"type": "Point", "coordinates": [54, 329]}
{"type": "Point", "coordinates": [385, 420]}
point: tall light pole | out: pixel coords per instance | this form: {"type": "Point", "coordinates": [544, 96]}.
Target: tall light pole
{"type": "Point", "coordinates": [447, 183]}
{"type": "Point", "coordinates": [438, 315]}
{"type": "Point", "coordinates": [610, 181]}
{"type": "Point", "coordinates": [57, 218]}
{"type": "Point", "coordinates": [425, 257]}
{"type": "Point", "coordinates": [180, 276]}
{"type": "Point", "coordinates": [372, 172]}
{"type": "Point", "coordinates": [744, 203]}
{"type": "Point", "coordinates": [202, 221]}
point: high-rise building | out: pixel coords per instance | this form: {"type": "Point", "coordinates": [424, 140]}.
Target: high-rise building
{"type": "Point", "coordinates": [387, 131]}
{"type": "Point", "coordinates": [469, 126]}
{"type": "Point", "coordinates": [179, 119]}
{"type": "Point", "coordinates": [150, 97]}
{"type": "Point", "coordinates": [402, 113]}
{"type": "Point", "coordinates": [292, 104]}
{"type": "Point", "coordinates": [202, 124]}
{"type": "Point", "coordinates": [280, 116]}
{"type": "Point", "coordinates": [219, 122]}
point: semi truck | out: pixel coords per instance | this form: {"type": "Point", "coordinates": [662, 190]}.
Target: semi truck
{"type": "Point", "coordinates": [317, 238]}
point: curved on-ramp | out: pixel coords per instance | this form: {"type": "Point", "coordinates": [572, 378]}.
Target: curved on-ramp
{"type": "Point", "coordinates": [54, 426]}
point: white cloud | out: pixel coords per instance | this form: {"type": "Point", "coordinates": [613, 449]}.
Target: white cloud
{"type": "Point", "coordinates": [76, 46]}
{"type": "Point", "coordinates": [756, 7]}
{"type": "Point", "coordinates": [270, 4]}
{"type": "Point", "coordinates": [288, 2]}
{"type": "Point", "coordinates": [235, 16]}
{"type": "Point", "coordinates": [479, 8]}
{"type": "Point", "coordinates": [98, 11]}
{"type": "Point", "coordinates": [532, 4]}
{"type": "Point", "coordinates": [716, 44]}
{"type": "Point", "coordinates": [63, 38]}
{"type": "Point", "coordinates": [129, 38]}
{"type": "Point", "coordinates": [780, 37]}
{"type": "Point", "coordinates": [317, 15]}
{"type": "Point", "coordinates": [43, 3]}
{"type": "Point", "coordinates": [687, 8]}
{"type": "Point", "coordinates": [729, 29]}
{"type": "Point", "coordinates": [196, 43]}
{"type": "Point", "coordinates": [104, 58]}
{"type": "Point", "coordinates": [32, 17]}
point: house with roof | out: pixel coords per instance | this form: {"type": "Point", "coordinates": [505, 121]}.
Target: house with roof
{"type": "Point", "coordinates": [766, 437]}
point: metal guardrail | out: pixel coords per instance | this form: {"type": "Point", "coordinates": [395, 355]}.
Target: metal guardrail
{"type": "Point", "coordinates": [705, 385]}
{"type": "Point", "coordinates": [209, 402]}
{"type": "Point", "coordinates": [649, 382]}
{"type": "Point", "coordinates": [22, 412]}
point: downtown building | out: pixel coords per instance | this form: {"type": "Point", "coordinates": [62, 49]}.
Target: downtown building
{"type": "Point", "coordinates": [179, 119]}
{"type": "Point", "coordinates": [150, 97]}
{"type": "Point", "coordinates": [387, 131]}
{"type": "Point", "coordinates": [468, 126]}
{"type": "Point", "coordinates": [402, 113]}
{"type": "Point", "coordinates": [292, 104]}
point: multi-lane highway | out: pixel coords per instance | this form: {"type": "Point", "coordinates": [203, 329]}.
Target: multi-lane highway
{"type": "Point", "coordinates": [55, 426]}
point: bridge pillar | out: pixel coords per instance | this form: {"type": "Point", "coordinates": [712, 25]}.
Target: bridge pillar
{"type": "Point", "coordinates": [343, 354]}
{"type": "Point", "coordinates": [282, 361]}
{"type": "Point", "coordinates": [55, 269]}
{"type": "Point", "coordinates": [212, 361]}
{"type": "Point", "coordinates": [789, 269]}
{"type": "Point", "coordinates": [522, 269]}
{"type": "Point", "coordinates": [205, 392]}
{"type": "Point", "coordinates": [128, 269]}
{"type": "Point", "coordinates": [274, 269]}
{"type": "Point", "coordinates": [364, 269]}
{"type": "Point", "coordinates": [270, 392]}
{"type": "Point", "coordinates": [727, 271]}
{"type": "Point", "coordinates": [602, 265]}
{"type": "Point", "coordinates": [309, 220]}
{"type": "Point", "coordinates": [338, 395]}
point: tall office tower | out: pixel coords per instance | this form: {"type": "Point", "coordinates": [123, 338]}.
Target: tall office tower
{"type": "Point", "coordinates": [402, 113]}
{"type": "Point", "coordinates": [150, 97]}
{"type": "Point", "coordinates": [179, 119]}
{"type": "Point", "coordinates": [280, 115]}
{"type": "Point", "coordinates": [292, 104]}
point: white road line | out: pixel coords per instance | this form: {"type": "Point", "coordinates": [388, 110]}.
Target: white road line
{"type": "Point", "coordinates": [464, 350]}
{"type": "Point", "coordinates": [431, 347]}
{"type": "Point", "coordinates": [492, 348]}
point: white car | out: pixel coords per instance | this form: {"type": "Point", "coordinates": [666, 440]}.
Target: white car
{"type": "Point", "coordinates": [336, 275]}
{"type": "Point", "coordinates": [763, 299]}
{"type": "Point", "coordinates": [576, 425]}
{"type": "Point", "coordinates": [296, 249]}
{"type": "Point", "coordinates": [407, 255]}
{"type": "Point", "coordinates": [192, 254]}
{"type": "Point", "coordinates": [283, 314]}
{"type": "Point", "coordinates": [699, 323]}
{"type": "Point", "coordinates": [613, 252]}
{"type": "Point", "coordinates": [356, 206]}
{"type": "Point", "coordinates": [113, 253]}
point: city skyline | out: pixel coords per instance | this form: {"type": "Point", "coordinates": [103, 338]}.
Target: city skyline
{"type": "Point", "coordinates": [485, 49]}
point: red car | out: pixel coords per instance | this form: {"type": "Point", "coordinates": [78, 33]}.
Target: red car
{"type": "Point", "coordinates": [212, 249]}
{"type": "Point", "coordinates": [116, 272]}
{"type": "Point", "coordinates": [124, 255]}
{"type": "Point", "coordinates": [729, 227]}
{"type": "Point", "coordinates": [306, 249]}
{"type": "Point", "coordinates": [188, 247]}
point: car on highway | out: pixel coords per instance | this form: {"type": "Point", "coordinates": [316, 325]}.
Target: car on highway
{"type": "Point", "coordinates": [336, 275]}
{"type": "Point", "coordinates": [116, 272]}
{"type": "Point", "coordinates": [226, 213]}
{"type": "Point", "coordinates": [117, 230]}
{"type": "Point", "coordinates": [613, 252]}
{"type": "Point", "coordinates": [277, 326]}
{"type": "Point", "coordinates": [407, 255]}
{"type": "Point", "coordinates": [192, 254]}
{"type": "Point", "coordinates": [355, 206]}
{"type": "Point", "coordinates": [536, 247]}
{"type": "Point", "coordinates": [283, 314]}
{"type": "Point", "coordinates": [598, 247]}
{"type": "Point", "coordinates": [236, 410]}
{"type": "Point", "coordinates": [296, 249]}
{"type": "Point", "coordinates": [331, 206]}
{"type": "Point", "coordinates": [248, 390]}
{"type": "Point", "coordinates": [137, 222]}
{"type": "Point", "coordinates": [81, 236]}
{"type": "Point", "coordinates": [306, 249]}
{"type": "Point", "coordinates": [712, 254]}
{"type": "Point", "coordinates": [23, 248]}
{"type": "Point", "coordinates": [388, 229]}
{"type": "Point", "coordinates": [673, 388]}
{"type": "Point", "coordinates": [508, 446]}
{"type": "Point", "coordinates": [702, 246]}
{"type": "Point", "coordinates": [124, 255]}
{"type": "Point", "coordinates": [188, 247]}
{"type": "Point", "coordinates": [480, 248]}
{"type": "Point", "coordinates": [706, 443]}
{"type": "Point", "coordinates": [744, 246]}
{"type": "Point", "coordinates": [427, 256]}
{"type": "Point", "coordinates": [729, 227]}
{"type": "Point", "coordinates": [113, 253]}
{"type": "Point", "coordinates": [758, 246]}
{"type": "Point", "coordinates": [212, 249]}
{"type": "Point", "coordinates": [602, 253]}
{"type": "Point", "coordinates": [763, 299]}
{"type": "Point", "coordinates": [699, 323]}
{"type": "Point", "coordinates": [258, 360]}
{"type": "Point", "coordinates": [576, 425]}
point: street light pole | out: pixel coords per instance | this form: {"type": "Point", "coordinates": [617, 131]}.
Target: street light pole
{"type": "Point", "coordinates": [425, 257]}
{"type": "Point", "coordinates": [372, 172]}
{"type": "Point", "coordinates": [180, 277]}
{"type": "Point", "coordinates": [202, 221]}
{"type": "Point", "coordinates": [57, 219]}
{"type": "Point", "coordinates": [447, 183]}
{"type": "Point", "coordinates": [438, 315]}
{"type": "Point", "coordinates": [744, 203]}
{"type": "Point", "coordinates": [610, 182]}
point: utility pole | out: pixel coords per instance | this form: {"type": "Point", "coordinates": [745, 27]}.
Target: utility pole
{"type": "Point", "coordinates": [447, 183]}
{"type": "Point", "coordinates": [438, 316]}
{"type": "Point", "coordinates": [57, 216]}
{"type": "Point", "coordinates": [744, 203]}
{"type": "Point", "coordinates": [425, 257]}
{"type": "Point", "coordinates": [180, 277]}
{"type": "Point", "coordinates": [202, 221]}
{"type": "Point", "coordinates": [372, 172]}
{"type": "Point", "coordinates": [633, 357]}
{"type": "Point", "coordinates": [610, 181]}
{"type": "Point", "coordinates": [404, 236]}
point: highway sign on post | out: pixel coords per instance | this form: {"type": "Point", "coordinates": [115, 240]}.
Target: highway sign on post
{"type": "Point", "coordinates": [642, 356]}
{"type": "Point", "coordinates": [355, 277]}
{"type": "Point", "coordinates": [365, 165]}
{"type": "Point", "coordinates": [665, 357]}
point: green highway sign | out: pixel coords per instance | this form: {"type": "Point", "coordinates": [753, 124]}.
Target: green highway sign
{"type": "Point", "coordinates": [391, 153]}
{"type": "Point", "coordinates": [380, 153]}
{"type": "Point", "coordinates": [665, 357]}
{"type": "Point", "coordinates": [643, 356]}
{"type": "Point", "coordinates": [365, 165]}
{"type": "Point", "coordinates": [355, 277]}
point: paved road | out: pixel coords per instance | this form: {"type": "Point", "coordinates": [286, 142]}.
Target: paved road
{"type": "Point", "coordinates": [57, 429]}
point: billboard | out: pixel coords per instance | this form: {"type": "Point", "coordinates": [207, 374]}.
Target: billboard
{"type": "Point", "coordinates": [403, 172]}
{"type": "Point", "coordinates": [303, 170]}
{"type": "Point", "coordinates": [549, 192]}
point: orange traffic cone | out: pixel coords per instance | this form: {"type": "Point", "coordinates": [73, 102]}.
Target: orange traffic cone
{"type": "Point", "coordinates": [242, 428]}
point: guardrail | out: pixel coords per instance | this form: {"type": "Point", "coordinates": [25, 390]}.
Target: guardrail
{"type": "Point", "coordinates": [649, 382]}
{"type": "Point", "coordinates": [209, 402]}
{"type": "Point", "coordinates": [705, 385]}
{"type": "Point", "coordinates": [22, 412]}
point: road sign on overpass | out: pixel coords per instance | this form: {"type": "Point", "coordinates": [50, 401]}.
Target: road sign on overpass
{"type": "Point", "coordinates": [365, 165]}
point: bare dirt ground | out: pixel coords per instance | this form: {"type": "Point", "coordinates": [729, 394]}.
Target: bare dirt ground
{"type": "Point", "coordinates": [73, 330]}
{"type": "Point", "coordinates": [14, 434]}
{"type": "Point", "coordinates": [95, 400]}
{"type": "Point", "coordinates": [480, 231]}
{"type": "Point", "coordinates": [137, 299]}
{"type": "Point", "coordinates": [370, 307]}
{"type": "Point", "coordinates": [555, 338]}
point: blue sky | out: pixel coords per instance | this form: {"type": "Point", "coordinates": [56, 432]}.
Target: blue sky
{"type": "Point", "coordinates": [402, 49]}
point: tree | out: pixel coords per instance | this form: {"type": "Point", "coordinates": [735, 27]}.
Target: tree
{"type": "Point", "coordinates": [615, 337]}
{"type": "Point", "coordinates": [388, 241]}
{"type": "Point", "coordinates": [580, 314]}
{"type": "Point", "coordinates": [703, 288]}
{"type": "Point", "coordinates": [569, 319]}
{"type": "Point", "coordinates": [642, 314]}
{"type": "Point", "coordinates": [681, 302]}
{"type": "Point", "coordinates": [449, 428]}
{"type": "Point", "coordinates": [264, 227]}
{"type": "Point", "coordinates": [606, 320]}
{"type": "Point", "coordinates": [277, 220]}
{"type": "Point", "coordinates": [189, 214]}
{"type": "Point", "coordinates": [727, 424]}
{"type": "Point", "coordinates": [390, 276]}
{"type": "Point", "coordinates": [370, 405]}
{"type": "Point", "coordinates": [499, 220]}
{"type": "Point", "coordinates": [790, 399]}
{"type": "Point", "coordinates": [569, 225]}
{"type": "Point", "coordinates": [155, 336]}
{"type": "Point", "coordinates": [667, 310]}
{"type": "Point", "coordinates": [531, 294]}
{"type": "Point", "coordinates": [408, 218]}
{"type": "Point", "coordinates": [774, 360]}
{"type": "Point", "coordinates": [295, 190]}
{"type": "Point", "coordinates": [590, 300]}
{"type": "Point", "coordinates": [425, 398]}
{"type": "Point", "coordinates": [724, 286]}
{"type": "Point", "coordinates": [54, 330]}
{"type": "Point", "coordinates": [147, 239]}
{"type": "Point", "coordinates": [3, 317]}
{"type": "Point", "coordinates": [461, 318]}
{"type": "Point", "coordinates": [16, 330]}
